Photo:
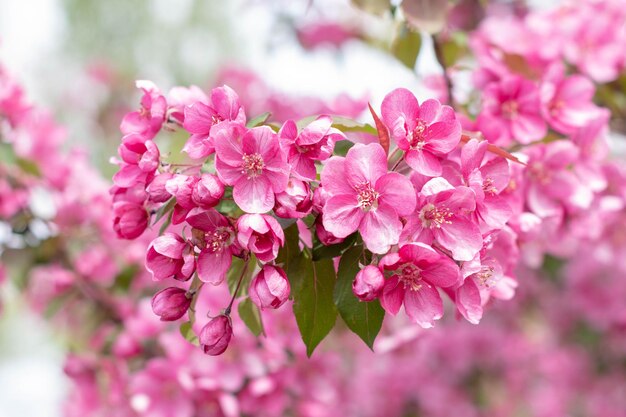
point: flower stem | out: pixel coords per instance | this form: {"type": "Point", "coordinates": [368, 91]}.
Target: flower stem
{"type": "Point", "coordinates": [441, 59]}
{"type": "Point", "coordinates": [232, 300]}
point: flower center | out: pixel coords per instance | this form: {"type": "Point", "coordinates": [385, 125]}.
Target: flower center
{"type": "Point", "coordinates": [216, 118]}
{"type": "Point", "coordinates": [416, 137]}
{"type": "Point", "coordinates": [555, 107]}
{"type": "Point", "coordinates": [252, 165]}
{"type": "Point", "coordinates": [488, 186]}
{"type": "Point", "coordinates": [219, 239]}
{"type": "Point", "coordinates": [432, 216]}
{"type": "Point", "coordinates": [485, 276]}
{"type": "Point", "coordinates": [304, 148]}
{"type": "Point", "coordinates": [367, 196]}
{"type": "Point", "coordinates": [510, 109]}
{"type": "Point", "coordinates": [410, 276]}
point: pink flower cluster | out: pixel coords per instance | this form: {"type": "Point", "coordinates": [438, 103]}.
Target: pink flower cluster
{"type": "Point", "coordinates": [432, 212]}
{"type": "Point", "coordinates": [535, 101]}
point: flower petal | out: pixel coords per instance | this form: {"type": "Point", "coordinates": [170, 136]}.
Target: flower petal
{"type": "Point", "coordinates": [397, 191]}
{"type": "Point", "coordinates": [423, 306]}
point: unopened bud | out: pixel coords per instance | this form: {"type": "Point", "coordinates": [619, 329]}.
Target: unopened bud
{"type": "Point", "coordinates": [270, 288]}
{"type": "Point", "coordinates": [368, 283]}
{"type": "Point", "coordinates": [171, 303]}
{"type": "Point", "coordinates": [215, 335]}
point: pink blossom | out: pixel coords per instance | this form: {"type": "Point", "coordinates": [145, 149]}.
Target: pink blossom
{"type": "Point", "coordinates": [511, 112]}
{"type": "Point", "coordinates": [253, 163]}
{"type": "Point", "coordinates": [208, 191]}
{"type": "Point", "coordinates": [295, 202]}
{"type": "Point", "coordinates": [368, 283]}
{"type": "Point", "coordinates": [439, 218]}
{"type": "Point", "coordinates": [215, 335]}
{"type": "Point", "coordinates": [487, 178]}
{"type": "Point", "coordinates": [270, 287]}
{"type": "Point", "coordinates": [551, 185]}
{"type": "Point", "coordinates": [140, 159]}
{"type": "Point", "coordinates": [156, 190]}
{"type": "Point", "coordinates": [171, 303]}
{"type": "Point", "coordinates": [260, 234]}
{"type": "Point", "coordinates": [365, 197]}
{"type": "Point", "coordinates": [417, 270]}
{"type": "Point", "coordinates": [131, 219]}
{"type": "Point", "coordinates": [181, 187]}
{"type": "Point", "coordinates": [201, 117]}
{"type": "Point", "coordinates": [169, 256]}
{"type": "Point", "coordinates": [148, 120]}
{"type": "Point", "coordinates": [314, 143]}
{"type": "Point", "coordinates": [567, 102]}
{"type": "Point", "coordinates": [180, 98]}
{"type": "Point", "coordinates": [216, 240]}
{"type": "Point", "coordinates": [425, 133]}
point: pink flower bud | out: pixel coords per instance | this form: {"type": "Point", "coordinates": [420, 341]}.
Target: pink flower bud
{"type": "Point", "coordinates": [156, 189]}
{"type": "Point", "coordinates": [171, 303]}
{"type": "Point", "coordinates": [368, 283]}
{"type": "Point", "coordinates": [169, 256]}
{"type": "Point", "coordinates": [208, 191]}
{"type": "Point", "coordinates": [140, 159]}
{"type": "Point", "coordinates": [270, 288]}
{"type": "Point", "coordinates": [130, 220]}
{"type": "Point", "coordinates": [215, 335]}
{"type": "Point", "coordinates": [295, 202]}
{"type": "Point", "coordinates": [260, 234]}
{"type": "Point", "coordinates": [324, 235]}
{"type": "Point", "coordinates": [181, 187]}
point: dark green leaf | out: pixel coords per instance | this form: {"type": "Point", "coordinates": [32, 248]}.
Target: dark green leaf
{"type": "Point", "coordinates": [312, 286]}
{"type": "Point", "coordinates": [249, 313]}
{"type": "Point", "coordinates": [259, 120]}
{"type": "Point", "coordinates": [321, 251]}
{"type": "Point", "coordinates": [342, 147]}
{"type": "Point", "coordinates": [291, 248]}
{"type": "Point", "coordinates": [187, 332]}
{"type": "Point", "coordinates": [363, 318]}
{"type": "Point", "coordinates": [406, 46]}
{"type": "Point", "coordinates": [164, 209]}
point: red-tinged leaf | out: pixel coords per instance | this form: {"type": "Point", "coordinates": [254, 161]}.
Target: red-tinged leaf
{"type": "Point", "coordinates": [383, 133]}
{"type": "Point", "coordinates": [495, 150]}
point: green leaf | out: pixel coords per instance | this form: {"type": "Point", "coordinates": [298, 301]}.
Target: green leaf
{"type": "Point", "coordinates": [249, 313]}
{"type": "Point", "coordinates": [291, 248]}
{"type": "Point", "coordinates": [125, 278]}
{"type": "Point", "coordinates": [259, 120]}
{"type": "Point", "coordinates": [363, 318]}
{"type": "Point", "coordinates": [7, 154]}
{"type": "Point", "coordinates": [342, 147]}
{"type": "Point", "coordinates": [164, 209]}
{"type": "Point", "coordinates": [406, 46]}
{"type": "Point", "coordinates": [321, 251]}
{"type": "Point", "coordinates": [312, 288]}
{"type": "Point", "coordinates": [187, 332]}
